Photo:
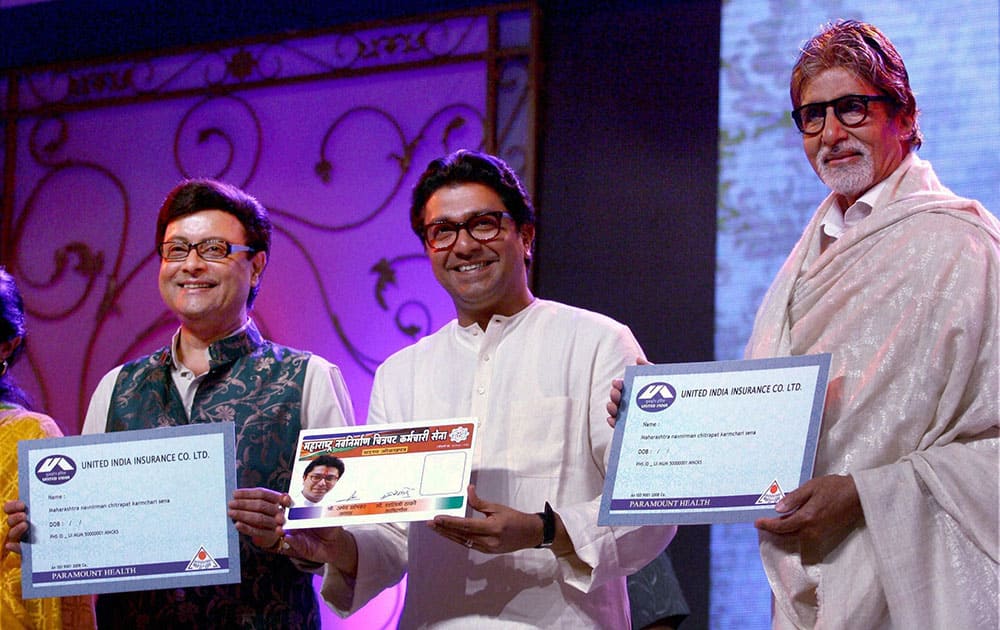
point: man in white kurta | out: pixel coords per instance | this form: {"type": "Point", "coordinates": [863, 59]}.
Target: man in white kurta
{"type": "Point", "coordinates": [528, 553]}
{"type": "Point", "coordinates": [535, 373]}
{"type": "Point", "coordinates": [898, 280]}
{"type": "Point", "coordinates": [537, 380]}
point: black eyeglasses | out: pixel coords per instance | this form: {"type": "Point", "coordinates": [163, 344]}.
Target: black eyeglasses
{"type": "Point", "coordinates": [851, 110]}
{"type": "Point", "coordinates": [316, 478]}
{"type": "Point", "coordinates": [483, 227]}
{"type": "Point", "coordinates": [209, 249]}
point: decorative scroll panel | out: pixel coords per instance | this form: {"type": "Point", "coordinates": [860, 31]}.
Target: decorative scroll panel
{"type": "Point", "coordinates": [330, 130]}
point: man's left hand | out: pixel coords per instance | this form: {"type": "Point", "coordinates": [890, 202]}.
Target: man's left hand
{"type": "Point", "coordinates": [503, 530]}
{"type": "Point", "coordinates": [821, 513]}
{"type": "Point", "coordinates": [259, 513]}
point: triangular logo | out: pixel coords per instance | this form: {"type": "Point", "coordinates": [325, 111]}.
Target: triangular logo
{"type": "Point", "coordinates": [772, 495]}
{"type": "Point", "coordinates": [201, 561]}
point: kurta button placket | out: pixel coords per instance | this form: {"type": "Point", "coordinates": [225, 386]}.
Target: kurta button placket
{"type": "Point", "coordinates": [484, 373]}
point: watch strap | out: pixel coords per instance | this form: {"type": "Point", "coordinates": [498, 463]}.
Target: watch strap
{"type": "Point", "coordinates": [548, 527]}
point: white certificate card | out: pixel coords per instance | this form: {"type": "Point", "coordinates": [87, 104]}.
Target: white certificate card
{"type": "Point", "coordinates": [713, 442]}
{"type": "Point", "coordinates": [129, 511]}
{"type": "Point", "coordinates": [406, 471]}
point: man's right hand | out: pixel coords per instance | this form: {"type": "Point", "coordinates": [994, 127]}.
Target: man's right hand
{"type": "Point", "coordinates": [17, 518]}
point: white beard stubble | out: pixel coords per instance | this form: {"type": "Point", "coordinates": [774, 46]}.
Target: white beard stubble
{"type": "Point", "coordinates": [849, 180]}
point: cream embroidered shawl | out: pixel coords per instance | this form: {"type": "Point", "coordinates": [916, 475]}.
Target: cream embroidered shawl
{"type": "Point", "coordinates": [907, 303]}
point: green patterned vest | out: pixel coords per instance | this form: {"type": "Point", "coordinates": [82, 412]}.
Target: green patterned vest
{"type": "Point", "coordinates": [257, 385]}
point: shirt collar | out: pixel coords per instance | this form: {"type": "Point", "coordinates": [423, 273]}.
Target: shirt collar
{"type": "Point", "coordinates": [473, 329]}
{"type": "Point", "coordinates": [838, 221]}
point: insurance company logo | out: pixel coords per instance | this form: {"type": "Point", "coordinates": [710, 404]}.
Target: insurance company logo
{"type": "Point", "coordinates": [772, 495]}
{"type": "Point", "coordinates": [656, 396]}
{"type": "Point", "coordinates": [55, 469]}
{"type": "Point", "coordinates": [202, 561]}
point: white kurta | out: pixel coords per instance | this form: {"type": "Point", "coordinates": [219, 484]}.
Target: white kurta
{"type": "Point", "coordinates": [907, 303]}
{"type": "Point", "coordinates": [538, 382]}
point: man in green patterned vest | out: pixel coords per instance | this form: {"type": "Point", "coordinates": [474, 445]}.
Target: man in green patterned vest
{"type": "Point", "coordinates": [213, 240]}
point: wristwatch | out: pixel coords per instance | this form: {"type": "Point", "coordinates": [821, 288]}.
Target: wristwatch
{"type": "Point", "coordinates": [548, 527]}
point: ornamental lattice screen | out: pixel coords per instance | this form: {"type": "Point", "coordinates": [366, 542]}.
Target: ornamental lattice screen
{"type": "Point", "coordinates": [329, 129]}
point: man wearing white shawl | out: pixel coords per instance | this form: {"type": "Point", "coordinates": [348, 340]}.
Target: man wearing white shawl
{"type": "Point", "coordinates": [898, 278]}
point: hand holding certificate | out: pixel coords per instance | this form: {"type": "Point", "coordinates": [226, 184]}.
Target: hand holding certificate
{"type": "Point", "coordinates": [713, 442]}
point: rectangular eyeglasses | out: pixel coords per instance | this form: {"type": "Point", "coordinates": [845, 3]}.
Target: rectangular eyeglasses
{"type": "Point", "coordinates": [209, 249]}
{"type": "Point", "coordinates": [851, 110]}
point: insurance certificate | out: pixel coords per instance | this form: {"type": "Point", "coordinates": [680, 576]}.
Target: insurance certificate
{"type": "Point", "coordinates": [713, 442]}
{"type": "Point", "coordinates": [129, 511]}
{"type": "Point", "coordinates": [407, 471]}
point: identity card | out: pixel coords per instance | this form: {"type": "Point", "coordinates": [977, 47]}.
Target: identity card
{"type": "Point", "coordinates": [407, 471]}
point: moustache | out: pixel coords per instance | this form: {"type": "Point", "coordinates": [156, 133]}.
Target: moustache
{"type": "Point", "coordinates": [840, 149]}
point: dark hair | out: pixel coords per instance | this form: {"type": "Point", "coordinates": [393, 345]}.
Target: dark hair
{"type": "Point", "coordinates": [326, 460]}
{"type": "Point", "coordinates": [197, 195]}
{"type": "Point", "coordinates": [471, 167]}
{"type": "Point", "coordinates": [11, 326]}
{"type": "Point", "coordinates": [865, 51]}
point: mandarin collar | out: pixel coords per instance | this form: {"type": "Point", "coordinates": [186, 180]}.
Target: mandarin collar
{"type": "Point", "coordinates": [240, 342]}
{"type": "Point", "coordinates": [473, 329]}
